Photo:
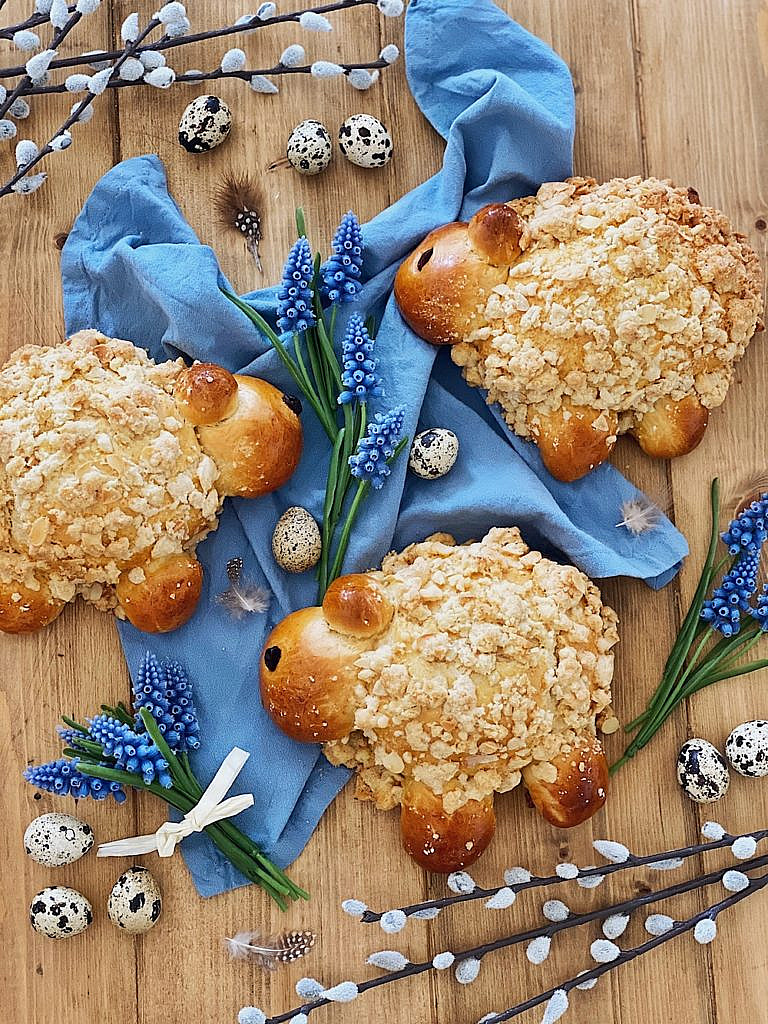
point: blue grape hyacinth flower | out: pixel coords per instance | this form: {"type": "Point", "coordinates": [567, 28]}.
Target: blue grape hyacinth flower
{"type": "Point", "coordinates": [358, 374]}
{"type": "Point", "coordinates": [131, 752]}
{"type": "Point", "coordinates": [294, 307]}
{"type": "Point", "coordinates": [149, 691]}
{"type": "Point", "coordinates": [182, 707]}
{"type": "Point", "coordinates": [340, 274]}
{"type": "Point", "coordinates": [63, 778]}
{"type": "Point", "coordinates": [369, 462]}
{"type": "Point", "coordinates": [745, 537]}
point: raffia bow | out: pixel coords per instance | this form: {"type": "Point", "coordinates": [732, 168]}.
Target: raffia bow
{"type": "Point", "coordinates": [210, 808]}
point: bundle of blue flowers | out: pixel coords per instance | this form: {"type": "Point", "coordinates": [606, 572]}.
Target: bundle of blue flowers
{"type": "Point", "coordinates": [148, 749]}
{"type": "Point", "coordinates": [698, 658]}
{"type": "Point", "coordinates": [364, 447]}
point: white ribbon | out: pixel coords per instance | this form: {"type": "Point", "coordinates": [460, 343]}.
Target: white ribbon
{"type": "Point", "coordinates": [209, 809]}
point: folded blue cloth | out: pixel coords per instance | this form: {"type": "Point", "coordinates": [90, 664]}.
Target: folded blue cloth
{"type": "Point", "coordinates": [133, 268]}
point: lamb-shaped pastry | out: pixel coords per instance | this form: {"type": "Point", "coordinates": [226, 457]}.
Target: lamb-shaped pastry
{"type": "Point", "coordinates": [451, 674]}
{"type": "Point", "coordinates": [590, 310]}
{"type": "Point", "coordinates": [114, 467]}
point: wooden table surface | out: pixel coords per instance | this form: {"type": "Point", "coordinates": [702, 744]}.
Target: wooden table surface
{"type": "Point", "coordinates": [666, 88]}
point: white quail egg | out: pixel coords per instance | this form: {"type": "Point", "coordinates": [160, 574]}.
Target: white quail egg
{"type": "Point", "coordinates": [702, 772]}
{"type": "Point", "coordinates": [205, 124]}
{"type": "Point", "coordinates": [309, 148]}
{"type": "Point", "coordinates": [296, 542]}
{"type": "Point", "coordinates": [135, 902]}
{"type": "Point", "coordinates": [747, 749]}
{"type": "Point", "coordinates": [365, 141]}
{"type": "Point", "coordinates": [59, 912]}
{"type": "Point", "coordinates": [433, 453]}
{"type": "Point", "coordinates": [56, 839]}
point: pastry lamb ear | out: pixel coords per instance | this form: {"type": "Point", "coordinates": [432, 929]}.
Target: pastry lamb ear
{"type": "Point", "coordinates": [448, 676]}
{"type": "Point", "coordinates": [587, 311]}
{"type": "Point", "coordinates": [115, 467]}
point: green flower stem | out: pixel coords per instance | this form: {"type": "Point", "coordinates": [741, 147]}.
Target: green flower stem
{"type": "Point", "coordinates": [692, 621]}
{"type": "Point", "coordinates": [362, 488]}
{"type": "Point", "coordinates": [290, 365]}
{"type": "Point", "coordinates": [183, 802]}
{"type": "Point", "coordinates": [184, 778]}
{"type": "Point", "coordinates": [73, 724]}
{"type": "Point", "coordinates": [328, 526]}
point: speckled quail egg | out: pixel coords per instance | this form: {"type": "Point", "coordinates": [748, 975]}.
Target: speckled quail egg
{"type": "Point", "coordinates": [747, 749]}
{"type": "Point", "coordinates": [59, 912]}
{"type": "Point", "coordinates": [56, 839]}
{"type": "Point", "coordinates": [135, 902]}
{"type": "Point", "coordinates": [433, 453]}
{"type": "Point", "coordinates": [205, 124]}
{"type": "Point", "coordinates": [309, 148]}
{"type": "Point", "coordinates": [702, 771]}
{"type": "Point", "coordinates": [296, 542]}
{"type": "Point", "coordinates": [365, 141]}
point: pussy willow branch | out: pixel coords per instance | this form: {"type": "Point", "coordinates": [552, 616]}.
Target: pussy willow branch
{"type": "Point", "coordinates": [8, 31]}
{"type": "Point", "coordinates": [208, 76]}
{"type": "Point", "coordinates": [57, 39]}
{"type": "Point", "coordinates": [552, 929]}
{"type": "Point", "coordinates": [129, 51]}
{"type": "Point", "coordinates": [538, 882]}
{"type": "Point", "coordinates": [194, 37]}
{"type": "Point", "coordinates": [627, 956]}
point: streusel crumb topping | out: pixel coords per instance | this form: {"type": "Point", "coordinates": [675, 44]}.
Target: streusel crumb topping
{"type": "Point", "coordinates": [100, 471]}
{"type": "Point", "coordinates": [625, 293]}
{"type": "Point", "coordinates": [496, 658]}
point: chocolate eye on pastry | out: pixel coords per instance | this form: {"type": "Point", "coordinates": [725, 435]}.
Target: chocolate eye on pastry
{"type": "Point", "coordinates": [588, 311]}
{"type": "Point", "coordinates": [121, 469]}
{"type": "Point", "coordinates": [450, 675]}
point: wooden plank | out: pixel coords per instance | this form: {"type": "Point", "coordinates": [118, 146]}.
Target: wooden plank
{"type": "Point", "coordinates": [704, 128]}
{"type": "Point", "coordinates": [67, 666]}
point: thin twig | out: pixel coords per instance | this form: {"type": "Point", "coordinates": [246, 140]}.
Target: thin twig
{"type": "Point", "coordinates": [538, 882]}
{"type": "Point", "coordinates": [58, 38]}
{"type": "Point", "coordinates": [129, 51]}
{"type": "Point", "coordinates": [9, 31]}
{"type": "Point", "coordinates": [208, 76]}
{"type": "Point", "coordinates": [168, 43]}
{"type": "Point", "coordinates": [552, 929]}
{"type": "Point", "coordinates": [627, 956]}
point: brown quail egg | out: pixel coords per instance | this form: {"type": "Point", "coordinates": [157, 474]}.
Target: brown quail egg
{"type": "Point", "coordinates": [309, 148]}
{"type": "Point", "coordinates": [56, 839]}
{"type": "Point", "coordinates": [59, 912]}
{"type": "Point", "coordinates": [433, 453]}
{"type": "Point", "coordinates": [747, 749]}
{"type": "Point", "coordinates": [702, 772]}
{"type": "Point", "coordinates": [135, 902]}
{"type": "Point", "coordinates": [365, 141]}
{"type": "Point", "coordinates": [296, 542]}
{"type": "Point", "coordinates": [205, 124]}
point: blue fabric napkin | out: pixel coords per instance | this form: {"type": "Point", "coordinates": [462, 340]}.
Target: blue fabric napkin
{"type": "Point", "coordinates": [133, 268]}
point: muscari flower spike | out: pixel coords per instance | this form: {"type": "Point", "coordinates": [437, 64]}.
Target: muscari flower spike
{"type": "Point", "coordinates": [131, 752]}
{"type": "Point", "coordinates": [63, 778]}
{"type": "Point", "coordinates": [182, 707]}
{"type": "Point", "coordinates": [359, 375]}
{"type": "Point", "coordinates": [369, 462]}
{"type": "Point", "coordinates": [149, 691]}
{"type": "Point", "coordinates": [340, 274]}
{"type": "Point", "coordinates": [294, 308]}
{"type": "Point", "coordinates": [745, 537]}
